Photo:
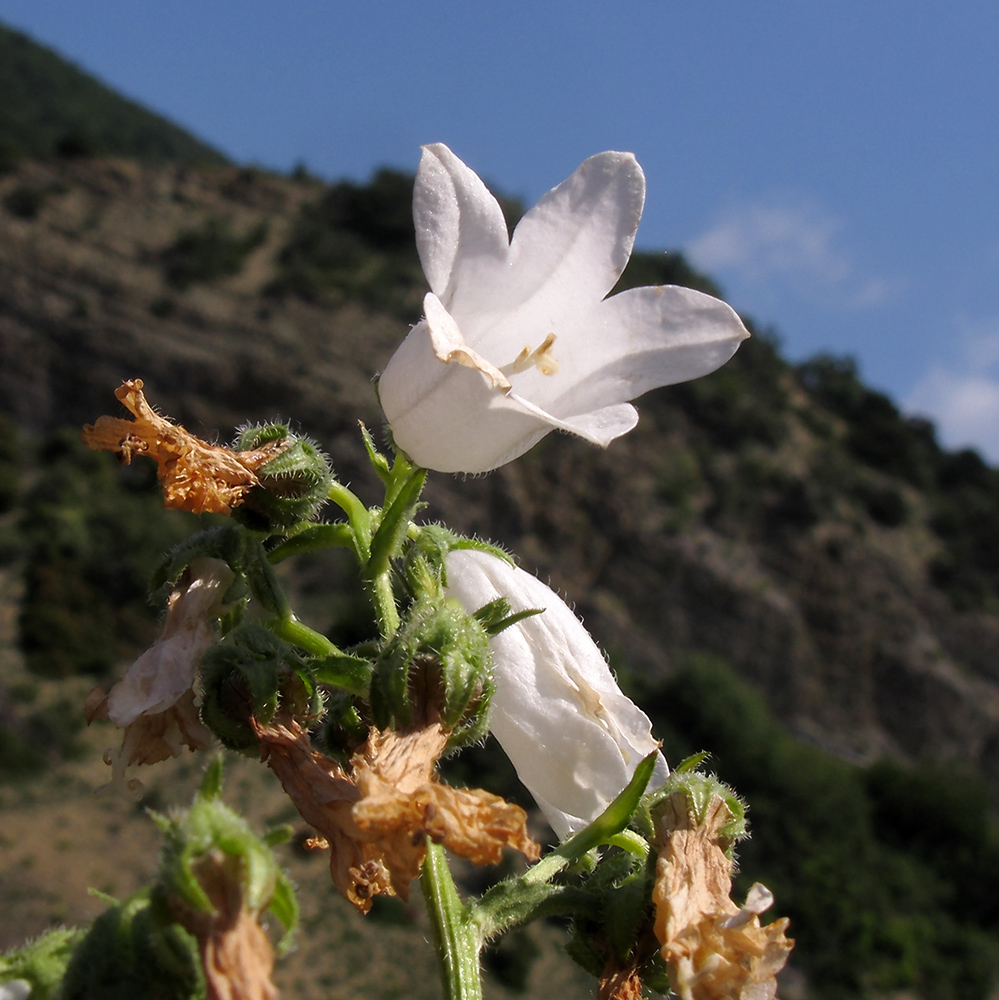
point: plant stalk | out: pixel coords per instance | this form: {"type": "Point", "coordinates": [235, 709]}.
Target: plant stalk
{"type": "Point", "coordinates": [456, 939]}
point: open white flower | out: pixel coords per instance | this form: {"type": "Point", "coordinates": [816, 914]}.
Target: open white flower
{"type": "Point", "coordinates": [574, 737]}
{"type": "Point", "coordinates": [518, 338]}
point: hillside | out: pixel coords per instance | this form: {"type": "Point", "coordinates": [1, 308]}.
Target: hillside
{"type": "Point", "coordinates": [49, 108]}
{"type": "Point", "coordinates": [780, 527]}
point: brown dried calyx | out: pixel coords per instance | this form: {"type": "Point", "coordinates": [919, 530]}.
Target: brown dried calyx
{"type": "Point", "coordinates": [714, 950]}
{"type": "Point", "coordinates": [195, 475]}
{"type": "Point", "coordinates": [377, 818]}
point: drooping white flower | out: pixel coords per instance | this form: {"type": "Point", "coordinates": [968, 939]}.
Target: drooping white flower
{"type": "Point", "coordinates": [518, 338]}
{"type": "Point", "coordinates": [574, 737]}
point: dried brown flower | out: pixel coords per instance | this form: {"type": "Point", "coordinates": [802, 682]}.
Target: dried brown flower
{"type": "Point", "coordinates": [195, 475]}
{"type": "Point", "coordinates": [376, 819]}
{"type": "Point", "coordinates": [236, 953]}
{"type": "Point", "coordinates": [714, 950]}
{"type": "Point", "coordinates": [155, 703]}
{"type": "Point", "coordinates": [620, 982]}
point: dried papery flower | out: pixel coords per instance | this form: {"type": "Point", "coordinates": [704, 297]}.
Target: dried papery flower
{"type": "Point", "coordinates": [620, 982]}
{"type": "Point", "coordinates": [714, 949]}
{"type": "Point", "coordinates": [236, 954]}
{"type": "Point", "coordinates": [376, 819]}
{"type": "Point", "coordinates": [155, 702]}
{"type": "Point", "coordinates": [195, 475]}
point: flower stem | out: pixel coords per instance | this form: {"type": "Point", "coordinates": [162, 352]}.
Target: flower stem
{"type": "Point", "coordinates": [383, 601]}
{"type": "Point", "coordinates": [299, 634]}
{"type": "Point", "coordinates": [456, 939]}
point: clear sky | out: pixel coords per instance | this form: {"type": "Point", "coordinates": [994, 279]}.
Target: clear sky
{"type": "Point", "coordinates": [833, 164]}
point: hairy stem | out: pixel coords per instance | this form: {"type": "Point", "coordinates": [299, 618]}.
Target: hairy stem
{"type": "Point", "coordinates": [456, 939]}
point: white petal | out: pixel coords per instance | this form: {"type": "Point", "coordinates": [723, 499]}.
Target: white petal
{"type": "Point", "coordinates": [165, 671]}
{"type": "Point", "coordinates": [15, 989]}
{"type": "Point", "coordinates": [451, 411]}
{"type": "Point", "coordinates": [460, 229]}
{"type": "Point", "coordinates": [635, 341]}
{"type": "Point", "coordinates": [566, 255]}
{"type": "Point", "coordinates": [573, 736]}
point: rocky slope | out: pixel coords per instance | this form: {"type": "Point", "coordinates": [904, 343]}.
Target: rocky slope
{"type": "Point", "coordinates": [735, 519]}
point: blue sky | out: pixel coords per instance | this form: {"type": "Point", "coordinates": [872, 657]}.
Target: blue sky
{"type": "Point", "coordinates": [833, 164]}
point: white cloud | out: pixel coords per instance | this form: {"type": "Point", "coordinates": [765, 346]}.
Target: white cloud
{"type": "Point", "coordinates": [791, 245]}
{"type": "Point", "coordinates": [963, 398]}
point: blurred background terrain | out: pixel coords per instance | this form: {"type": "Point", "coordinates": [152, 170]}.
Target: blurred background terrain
{"type": "Point", "coordinates": [781, 566]}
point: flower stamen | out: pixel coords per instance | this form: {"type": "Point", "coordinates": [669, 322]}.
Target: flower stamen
{"type": "Point", "coordinates": [540, 358]}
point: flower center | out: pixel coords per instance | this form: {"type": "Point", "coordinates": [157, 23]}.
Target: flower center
{"type": "Point", "coordinates": [540, 358]}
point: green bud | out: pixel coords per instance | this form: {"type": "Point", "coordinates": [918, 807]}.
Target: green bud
{"type": "Point", "coordinates": [291, 487]}
{"type": "Point", "coordinates": [426, 555]}
{"type": "Point", "coordinates": [42, 963]}
{"type": "Point", "coordinates": [250, 673]}
{"type": "Point", "coordinates": [135, 951]}
{"type": "Point", "coordinates": [436, 665]}
{"type": "Point", "coordinates": [210, 830]}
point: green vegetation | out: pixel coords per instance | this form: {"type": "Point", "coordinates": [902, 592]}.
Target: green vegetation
{"type": "Point", "coordinates": [208, 253]}
{"type": "Point", "coordinates": [356, 243]}
{"type": "Point", "coordinates": [890, 874]}
{"type": "Point", "coordinates": [52, 109]}
{"type": "Point", "coordinates": [962, 491]}
{"type": "Point", "coordinates": [90, 536]}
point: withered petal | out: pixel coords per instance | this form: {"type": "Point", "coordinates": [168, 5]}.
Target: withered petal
{"type": "Point", "coordinates": [194, 475]}
{"type": "Point", "coordinates": [710, 955]}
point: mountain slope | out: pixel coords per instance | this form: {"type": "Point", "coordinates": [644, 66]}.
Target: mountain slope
{"type": "Point", "coordinates": [49, 108]}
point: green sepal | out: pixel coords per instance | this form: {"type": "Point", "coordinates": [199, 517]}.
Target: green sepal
{"type": "Point", "coordinates": [228, 543]}
{"type": "Point", "coordinates": [249, 673]}
{"type": "Point", "coordinates": [699, 789]}
{"type": "Point", "coordinates": [378, 461]}
{"type": "Point", "coordinates": [452, 649]}
{"type": "Point", "coordinates": [425, 565]}
{"type": "Point", "coordinates": [495, 616]}
{"type": "Point", "coordinates": [615, 817]}
{"type": "Point", "coordinates": [655, 975]}
{"type": "Point", "coordinates": [211, 782]}
{"type": "Point", "coordinates": [279, 835]}
{"type": "Point", "coordinates": [351, 673]}
{"type": "Point", "coordinates": [311, 539]}
{"type": "Point", "coordinates": [210, 828]}
{"type": "Point", "coordinates": [624, 910]}
{"type": "Point", "coordinates": [291, 487]}
{"type": "Point", "coordinates": [394, 524]}
{"type": "Point", "coordinates": [580, 949]}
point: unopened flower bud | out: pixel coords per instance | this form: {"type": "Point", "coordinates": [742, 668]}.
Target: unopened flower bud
{"type": "Point", "coordinates": [248, 676]}
{"type": "Point", "coordinates": [435, 668]}
{"type": "Point", "coordinates": [291, 487]}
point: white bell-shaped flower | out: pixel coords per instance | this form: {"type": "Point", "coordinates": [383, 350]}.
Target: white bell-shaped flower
{"type": "Point", "coordinates": [518, 337]}
{"type": "Point", "coordinates": [574, 737]}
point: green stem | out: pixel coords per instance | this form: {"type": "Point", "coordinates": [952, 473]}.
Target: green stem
{"type": "Point", "coordinates": [383, 600]}
{"type": "Point", "coordinates": [357, 515]}
{"type": "Point", "coordinates": [299, 634]}
{"type": "Point", "coordinates": [455, 938]}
